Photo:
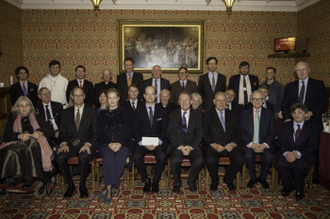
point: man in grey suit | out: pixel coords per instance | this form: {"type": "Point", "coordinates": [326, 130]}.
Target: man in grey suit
{"type": "Point", "coordinates": [182, 85]}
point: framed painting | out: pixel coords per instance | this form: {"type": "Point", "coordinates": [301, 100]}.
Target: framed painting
{"type": "Point", "coordinates": [169, 44]}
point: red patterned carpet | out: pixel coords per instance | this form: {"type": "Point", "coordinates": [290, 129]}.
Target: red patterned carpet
{"type": "Point", "coordinates": [244, 203]}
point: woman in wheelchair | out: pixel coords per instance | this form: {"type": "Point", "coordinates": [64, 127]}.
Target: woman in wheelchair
{"type": "Point", "coordinates": [25, 154]}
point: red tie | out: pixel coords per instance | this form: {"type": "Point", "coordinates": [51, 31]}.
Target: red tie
{"type": "Point", "coordinates": [80, 84]}
{"type": "Point", "coordinates": [297, 133]}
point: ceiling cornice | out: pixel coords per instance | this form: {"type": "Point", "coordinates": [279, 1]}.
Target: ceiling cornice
{"type": "Point", "coordinates": [239, 5]}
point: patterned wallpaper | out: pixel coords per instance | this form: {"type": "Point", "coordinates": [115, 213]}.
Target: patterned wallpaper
{"type": "Point", "coordinates": [11, 40]}
{"type": "Point", "coordinates": [314, 23]}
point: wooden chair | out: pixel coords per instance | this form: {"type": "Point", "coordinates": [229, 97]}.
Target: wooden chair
{"type": "Point", "coordinates": [99, 161]}
{"type": "Point", "coordinates": [259, 160]}
{"type": "Point", "coordinates": [74, 161]}
{"type": "Point", "coordinates": [222, 161]}
{"type": "Point", "coordinates": [185, 163]}
{"type": "Point", "coordinates": [309, 183]}
{"type": "Point", "coordinates": [149, 159]}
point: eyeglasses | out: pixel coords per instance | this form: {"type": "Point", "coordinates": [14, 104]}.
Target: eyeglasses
{"type": "Point", "coordinates": [259, 99]}
{"type": "Point", "coordinates": [301, 70]}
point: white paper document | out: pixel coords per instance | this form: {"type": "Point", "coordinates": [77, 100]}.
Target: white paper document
{"type": "Point", "coordinates": [147, 141]}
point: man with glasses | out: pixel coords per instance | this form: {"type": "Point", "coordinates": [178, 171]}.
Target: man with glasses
{"type": "Point", "coordinates": [183, 84]}
{"type": "Point", "coordinates": [258, 133]}
{"type": "Point", "coordinates": [311, 93]}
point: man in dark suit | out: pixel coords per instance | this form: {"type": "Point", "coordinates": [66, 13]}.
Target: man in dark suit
{"type": "Point", "coordinates": [243, 85]}
{"type": "Point", "coordinates": [23, 87]}
{"type": "Point", "coordinates": [258, 133]}
{"type": "Point", "coordinates": [150, 121]}
{"type": "Point", "coordinates": [297, 145]}
{"type": "Point", "coordinates": [50, 110]}
{"type": "Point", "coordinates": [230, 96]}
{"type": "Point", "coordinates": [82, 83]}
{"type": "Point", "coordinates": [78, 134]}
{"type": "Point", "coordinates": [266, 104]}
{"type": "Point", "coordinates": [124, 80]}
{"type": "Point", "coordinates": [164, 97]}
{"type": "Point", "coordinates": [157, 82]}
{"type": "Point", "coordinates": [222, 137]}
{"type": "Point", "coordinates": [211, 83]}
{"type": "Point", "coordinates": [183, 84]}
{"type": "Point", "coordinates": [105, 85]}
{"type": "Point", "coordinates": [133, 102]}
{"type": "Point", "coordinates": [310, 92]}
{"type": "Point", "coordinates": [185, 132]}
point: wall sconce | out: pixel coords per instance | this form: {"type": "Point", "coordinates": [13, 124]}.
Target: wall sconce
{"type": "Point", "coordinates": [96, 4]}
{"type": "Point", "coordinates": [229, 5]}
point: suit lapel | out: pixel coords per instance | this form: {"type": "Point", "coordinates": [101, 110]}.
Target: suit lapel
{"type": "Point", "coordinates": [309, 90]}
{"type": "Point", "coordinates": [146, 115]}
{"type": "Point", "coordinates": [74, 117]}
{"type": "Point", "coordinates": [295, 92]}
{"type": "Point", "coordinates": [217, 87]}
{"type": "Point", "coordinates": [134, 79]}
{"type": "Point", "coordinates": [216, 119]}
{"type": "Point", "coordinates": [251, 122]}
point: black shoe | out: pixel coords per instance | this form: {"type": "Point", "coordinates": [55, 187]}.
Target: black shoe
{"type": "Point", "coordinates": [230, 186]}
{"type": "Point", "coordinates": [83, 191]}
{"type": "Point", "coordinates": [155, 187]}
{"type": "Point", "coordinates": [264, 184]}
{"type": "Point", "coordinates": [316, 181]}
{"type": "Point", "coordinates": [147, 185]}
{"type": "Point", "coordinates": [16, 182]}
{"type": "Point", "coordinates": [176, 189]}
{"type": "Point", "coordinates": [192, 187]}
{"type": "Point", "coordinates": [287, 191]}
{"type": "Point", "coordinates": [213, 187]}
{"type": "Point", "coordinates": [299, 195]}
{"type": "Point", "coordinates": [251, 183]}
{"type": "Point", "coordinates": [28, 182]}
{"type": "Point", "coordinates": [69, 191]}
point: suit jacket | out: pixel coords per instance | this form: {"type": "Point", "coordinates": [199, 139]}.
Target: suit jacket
{"type": "Point", "coordinates": [98, 88]}
{"type": "Point", "coordinates": [170, 107]}
{"type": "Point", "coordinates": [88, 88]}
{"type": "Point", "coordinates": [127, 105]}
{"type": "Point", "coordinates": [164, 84]}
{"type": "Point", "coordinates": [87, 128]}
{"type": "Point", "coordinates": [267, 127]}
{"type": "Point", "coordinates": [122, 88]}
{"type": "Point", "coordinates": [306, 144]}
{"type": "Point", "coordinates": [234, 82]}
{"type": "Point", "coordinates": [142, 126]}
{"type": "Point", "coordinates": [56, 110]}
{"type": "Point", "coordinates": [176, 89]}
{"type": "Point", "coordinates": [316, 100]}
{"type": "Point", "coordinates": [16, 91]}
{"type": "Point", "coordinates": [175, 132]}
{"type": "Point", "coordinates": [213, 130]}
{"type": "Point", "coordinates": [205, 89]}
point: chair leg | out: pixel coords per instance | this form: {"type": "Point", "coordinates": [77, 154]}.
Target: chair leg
{"type": "Point", "coordinates": [128, 182]}
{"type": "Point", "coordinates": [169, 176]}
{"type": "Point", "coordinates": [273, 174]}
{"type": "Point", "coordinates": [199, 181]}
{"type": "Point", "coordinates": [161, 181]}
{"type": "Point", "coordinates": [133, 179]}
{"type": "Point", "coordinates": [62, 183]}
{"type": "Point", "coordinates": [97, 167]}
{"type": "Point", "coordinates": [310, 183]}
{"type": "Point", "coordinates": [243, 174]}
{"type": "Point", "coordinates": [237, 180]}
{"type": "Point", "coordinates": [276, 181]}
{"type": "Point", "coordinates": [207, 175]}
{"type": "Point", "coordinates": [93, 176]}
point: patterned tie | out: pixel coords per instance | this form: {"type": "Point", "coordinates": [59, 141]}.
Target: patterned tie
{"type": "Point", "coordinates": [48, 114]}
{"type": "Point", "coordinates": [133, 106]}
{"type": "Point", "coordinates": [302, 92]}
{"type": "Point", "coordinates": [184, 123]}
{"type": "Point", "coordinates": [129, 80]}
{"type": "Point", "coordinates": [245, 92]}
{"type": "Point", "coordinates": [213, 83]}
{"type": "Point", "coordinates": [77, 120]}
{"type": "Point", "coordinates": [151, 116]}
{"type": "Point", "coordinates": [296, 135]}
{"type": "Point", "coordinates": [222, 121]}
{"type": "Point", "coordinates": [24, 90]}
{"type": "Point", "coordinates": [182, 85]}
{"type": "Point", "coordinates": [80, 84]}
{"type": "Point", "coordinates": [156, 88]}
{"type": "Point", "coordinates": [256, 128]}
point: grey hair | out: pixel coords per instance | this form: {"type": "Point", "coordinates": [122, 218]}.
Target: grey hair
{"type": "Point", "coordinates": [194, 95]}
{"type": "Point", "coordinates": [19, 102]}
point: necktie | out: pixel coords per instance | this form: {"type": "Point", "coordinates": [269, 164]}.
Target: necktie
{"type": "Point", "coordinates": [213, 83]}
{"type": "Point", "coordinates": [129, 81]}
{"type": "Point", "coordinates": [24, 90]}
{"type": "Point", "coordinates": [227, 106]}
{"type": "Point", "coordinates": [256, 128]}
{"type": "Point", "coordinates": [296, 135]}
{"type": "Point", "coordinates": [245, 92]}
{"type": "Point", "coordinates": [80, 84]}
{"type": "Point", "coordinates": [77, 120]}
{"type": "Point", "coordinates": [156, 88]}
{"type": "Point", "coordinates": [184, 122]}
{"type": "Point", "coordinates": [302, 92]}
{"type": "Point", "coordinates": [222, 121]}
{"type": "Point", "coordinates": [48, 114]}
{"type": "Point", "coordinates": [133, 106]}
{"type": "Point", "coordinates": [182, 85]}
{"type": "Point", "coordinates": [151, 115]}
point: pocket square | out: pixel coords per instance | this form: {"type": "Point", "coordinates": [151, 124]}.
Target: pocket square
{"type": "Point", "coordinates": [159, 119]}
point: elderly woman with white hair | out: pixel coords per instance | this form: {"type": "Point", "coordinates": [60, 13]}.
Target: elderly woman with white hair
{"type": "Point", "coordinates": [196, 102]}
{"type": "Point", "coordinates": [25, 153]}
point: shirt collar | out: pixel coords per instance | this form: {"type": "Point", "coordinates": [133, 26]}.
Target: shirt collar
{"type": "Point", "coordinates": [305, 81]}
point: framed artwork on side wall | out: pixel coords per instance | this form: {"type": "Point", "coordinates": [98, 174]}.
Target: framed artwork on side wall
{"type": "Point", "coordinates": [169, 44]}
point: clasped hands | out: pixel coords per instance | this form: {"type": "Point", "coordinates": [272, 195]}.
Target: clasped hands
{"type": "Point", "coordinates": [258, 148]}
{"type": "Point", "coordinates": [115, 146]}
{"type": "Point", "coordinates": [26, 136]}
{"type": "Point", "coordinates": [65, 148]}
{"type": "Point", "coordinates": [150, 147]}
{"type": "Point", "coordinates": [291, 156]}
{"type": "Point", "coordinates": [186, 150]}
{"type": "Point", "coordinates": [219, 148]}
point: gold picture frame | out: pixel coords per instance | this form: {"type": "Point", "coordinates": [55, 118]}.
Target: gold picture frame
{"type": "Point", "coordinates": [169, 44]}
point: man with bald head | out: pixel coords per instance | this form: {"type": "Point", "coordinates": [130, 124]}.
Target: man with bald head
{"type": "Point", "coordinates": [311, 93]}
{"type": "Point", "coordinates": [106, 84]}
{"type": "Point", "coordinates": [164, 97]}
{"type": "Point", "coordinates": [222, 137]}
{"type": "Point", "coordinates": [157, 82]}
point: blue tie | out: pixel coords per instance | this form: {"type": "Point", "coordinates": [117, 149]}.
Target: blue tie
{"type": "Point", "coordinates": [151, 116]}
{"type": "Point", "coordinates": [222, 121]}
{"type": "Point", "coordinates": [24, 90]}
{"type": "Point", "coordinates": [184, 122]}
